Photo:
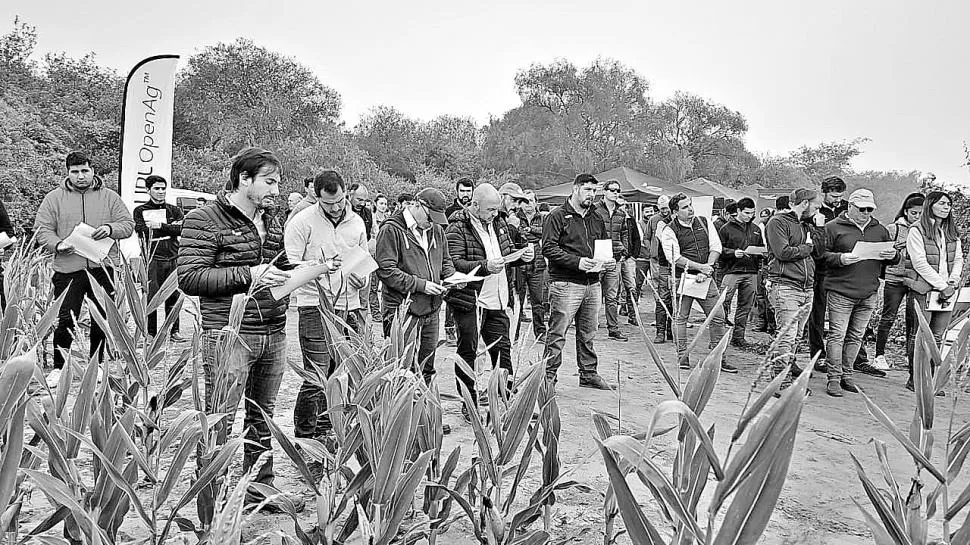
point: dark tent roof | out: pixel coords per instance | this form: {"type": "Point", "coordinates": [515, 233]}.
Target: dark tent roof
{"type": "Point", "coordinates": [635, 186]}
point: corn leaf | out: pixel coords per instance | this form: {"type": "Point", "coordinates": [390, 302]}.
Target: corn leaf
{"type": "Point", "coordinates": [702, 330]}
{"type": "Point", "coordinates": [640, 530]}
{"type": "Point", "coordinates": [958, 353]}
{"type": "Point", "coordinates": [215, 468]}
{"type": "Point", "coordinates": [701, 382]}
{"type": "Point", "coordinates": [396, 443]}
{"type": "Point", "coordinates": [673, 406]}
{"type": "Point", "coordinates": [517, 419]}
{"type": "Point", "coordinates": [481, 439]}
{"type": "Point", "coordinates": [923, 364]}
{"type": "Point", "coordinates": [14, 378]}
{"type": "Point", "coordinates": [759, 403]}
{"type": "Point", "coordinates": [288, 447]}
{"type": "Point", "coordinates": [135, 302]}
{"type": "Point", "coordinates": [190, 441]}
{"type": "Point", "coordinates": [401, 500]}
{"type": "Point", "coordinates": [913, 450]}
{"type": "Point", "coordinates": [890, 523]}
{"type": "Point", "coordinates": [879, 534]}
{"type": "Point", "coordinates": [164, 292]}
{"type": "Point", "coordinates": [12, 452]}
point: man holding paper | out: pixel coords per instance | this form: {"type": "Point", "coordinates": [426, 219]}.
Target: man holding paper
{"type": "Point", "coordinates": [479, 240]}
{"type": "Point", "coordinates": [233, 247]}
{"type": "Point", "coordinates": [691, 244]}
{"type": "Point", "coordinates": [322, 232]}
{"type": "Point", "coordinates": [413, 257]}
{"type": "Point", "coordinates": [743, 248]}
{"type": "Point", "coordinates": [159, 225]}
{"type": "Point", "coordinates": [614, 217]}
{"type": "Point", "coordinates": [851, 284]}
{"type": "Point", "coordinates": [81, 202]}
{"type": "Point", "coordinates": [568, 238]}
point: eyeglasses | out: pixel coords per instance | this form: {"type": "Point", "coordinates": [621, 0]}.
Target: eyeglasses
{"type": "Point", "coordinates": [613, 189]}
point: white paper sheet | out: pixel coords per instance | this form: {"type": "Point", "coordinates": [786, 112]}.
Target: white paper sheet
{"type": "Point", "coordinates": [357, 260]}
{"type": "Point", "coordinates": [933, 302]}
{"type": "Point", "coordinates": [154, 215]}
{"type": "Point", "coordinates": [463, 278]}
{"type": "Point", "coordinates": [756, 250]}
{"type": "Point", "coordinates": [602, 252]}
{"type": "Point", "coordinates": [516, 255]}
{"type": "Point", "coordinates": [95, 250]}
{"type": "Point", "coordinates": [5, 240]}
{"type": "Point", "coordinates": [870, 250]}
{"type": "Point", "coordinates": [298, 277]}
{"type": "Point", "coordinates": [690, 287]}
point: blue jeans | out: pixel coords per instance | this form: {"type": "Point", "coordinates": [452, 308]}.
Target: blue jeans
{"type": "Point", "coordinates": [708, 305]}
{"type": "Point", "coordinates": [745, 284]}
{"type": "Point", "coordinates": [567, 302]}
{"type": "Point", "coordinates": [255, 366]}
{"type": "Point", "coordinates": [310, 417]}
{"type": "Point", "coordinates": [786, 301]}
{"type": "Point", "coordinates": [610, 281]}
{"type": "Point", "coordinates": [848, 318]}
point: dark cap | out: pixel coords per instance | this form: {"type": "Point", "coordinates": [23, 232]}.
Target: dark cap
{"type": "Point", "coordinates": [436, 203]}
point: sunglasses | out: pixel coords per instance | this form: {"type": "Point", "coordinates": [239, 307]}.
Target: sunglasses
{"type": "Point", "coordinates": [613, 189]}
{"type": "Point", "coordinates": [865, 209]}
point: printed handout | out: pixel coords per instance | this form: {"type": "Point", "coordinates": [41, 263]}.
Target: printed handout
{"type": "Point", "coordinates": [870, 250]}
{"type": "Point", "coordinates": [95, 250]}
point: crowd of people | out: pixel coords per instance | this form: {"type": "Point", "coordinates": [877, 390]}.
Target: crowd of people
{"type": "Point", "coordinates": [788, 268]}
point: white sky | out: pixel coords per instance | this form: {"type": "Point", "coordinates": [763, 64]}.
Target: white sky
{"type": "Point", "coordinates": [802, 72]}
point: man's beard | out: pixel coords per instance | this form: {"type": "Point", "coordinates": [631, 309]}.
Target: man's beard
{"type": "Point", "coordinates": [465, 200]}
{"type": "Point", "coordinates": [586, 203]}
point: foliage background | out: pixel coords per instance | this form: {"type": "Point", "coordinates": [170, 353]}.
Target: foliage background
{"type": "Point", "coordinates": [570, 119]}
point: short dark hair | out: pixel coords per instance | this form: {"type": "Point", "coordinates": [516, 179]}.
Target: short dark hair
{"type": "Point", "coordinates": [76, 158]}
{"type": "Point", "coordinates": [250, 161]}
{"type": "Point", "coordinates": [543, 207]}
{"type": "Point", "coordinates": [675, 201]}
{"type": "Point", "coordinates": [405, 197]}
{"type": "Point", "coordinates": [380, 196]}
{"type": "Point", "coordinates": [731, 207]}
{"type": "Point", "coordinates": [464, 182]}
{"type": "Point", "coordinates": [832, 183]}
{"type": "Point", "coordinates": [611, 182]}
{"type": "Point", "coordinates": [783, 202]}
{"type": "Point", "coordinates": [307, 182]}
{"type": "Point", "coordinates": [155, 179]}
{"type": "Point", "coordinates": [585, 179]}
{"type": "Point", "coordinates": [801, 195]}
{"type": "Point", "coordinates": [329, 181]}
{"type": "Point", "coordinates": [745, 203]}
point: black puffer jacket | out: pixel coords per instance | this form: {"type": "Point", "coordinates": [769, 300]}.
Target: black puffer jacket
{"type": "Point", "coordinates": [219, 245]}
{"type": "Point", "coordinates": [468, 251]}
{"type": "Point", "coordinates": [531, 233]}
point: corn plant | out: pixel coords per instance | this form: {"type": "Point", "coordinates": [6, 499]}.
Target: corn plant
{"type": "Point", "coordinates": [903, 515]}
{"type": "Point", "coordinates": [748, 482]}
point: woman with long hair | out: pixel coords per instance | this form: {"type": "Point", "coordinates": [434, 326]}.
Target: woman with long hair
{"type": "Point", "coordinates": [899, 279]}
{"type": "Point", "coordinates": [936, 254]}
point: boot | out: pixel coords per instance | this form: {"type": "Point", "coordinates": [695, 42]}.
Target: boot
{"type": "Point", "coordinates": [834, 388]}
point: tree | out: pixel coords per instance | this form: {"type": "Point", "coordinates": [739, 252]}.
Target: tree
{"type": "Point", "coordinates": [827, 158]}
{"type": "Point", "coordinates": [707, 135]}
{"type": "Point", "coordinates": [391, 139]}
{"type": "Point", "coordinates": [239, 94]}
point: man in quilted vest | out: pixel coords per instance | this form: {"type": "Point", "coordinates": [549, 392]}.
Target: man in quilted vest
{"type": "Point", "coordinates": [234, 247]}
{"type": "Point", "coordinates": [614, 217]}
{"type": "Point", "coordinates": [478, 240]}
{"type": "Point", "coordinates": [691, 245]}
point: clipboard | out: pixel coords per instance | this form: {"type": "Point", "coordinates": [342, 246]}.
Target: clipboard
{"type": "Point", "coordinates": [690, 287]}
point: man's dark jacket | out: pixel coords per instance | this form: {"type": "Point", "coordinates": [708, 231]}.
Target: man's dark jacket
{"type": "Point", "coordinates": [467, 251]}
{"type": "Point", "coordinates": [738, 236]}
{"type": "Point", "coordinates": [166, 243]}
{"type": "Point", "coordinates": [568, 236]}
{"type": "Point", "coordinates": [219, 245]}
{"type": "Point", "coordinates": [791, 259]}
{"type": "Point", "coordinates": [530, 232]}
{"type": "Point", "coordinates": [455, 206]}
{"type": "Point", "coordinates": [861, 279]}
{"type": "Point", "coordinates": [404, 267]}
{"type": "Point", "coordinates": [615, 228]}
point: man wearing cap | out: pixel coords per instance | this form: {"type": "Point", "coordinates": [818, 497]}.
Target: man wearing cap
{"type": "Point", "coordinates": [614, 217]}
{"type": "Point", "coordinates": [660, 268]}
{"type": "Point", "coordinates": [851, 285]}
{"type": "Point", "coordinates": [574, 288]}
{"type": "Point", "coordinates": [413, 260]}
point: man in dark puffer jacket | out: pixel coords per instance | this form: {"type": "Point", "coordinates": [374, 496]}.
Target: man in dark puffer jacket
{"type": "Point", "coordinates": [477, 238]}
{"type": "Point", "coordinates": [233, 247]}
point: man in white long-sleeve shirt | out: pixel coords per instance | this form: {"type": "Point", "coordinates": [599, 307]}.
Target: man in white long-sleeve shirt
{"type": "Point", "coordinates": [692, 246]}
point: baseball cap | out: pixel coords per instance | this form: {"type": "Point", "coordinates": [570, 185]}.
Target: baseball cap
{"type": "Point", "coordinates": [663, 201]}
{"type": "Point", "coordinates": [436, 203]}
{"type": "Point", "coordinates": [513, 190]}
{"type": "Point", "coordinates": [862, 198]}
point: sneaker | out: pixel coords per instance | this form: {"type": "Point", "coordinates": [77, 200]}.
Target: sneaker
{"type": "Point", "coordinates": [176, 338]}
{"type": "Point", "coordinates": [869, 370]}
{"type": "Point", "coordinates": [834, 388]}
{"type": "Point", "coordinates": [466, 414]}
{"type": "Point", "coordinates": [53, 378]}
{"type": "Point", "coordinates": [451, 338]}
{"type": "Point", "coordinates": [445, 429]}
{"type": "Point", "coordinates": [821, 366]}
{"type": "Point", "coordinates": [728, 368]}
{"type": "Point", "coordinates": [796, 371]}
{"type": "Point", "coordinates": [881, 363]}
{"type": "Point", "coordinates": [742, 344]}
{"type": "Point", "coordinates": [618, 336]}
{"type": "Point", "coordinates": [849, 386]}
{"type": "Point", "coordinates": [282, 503]}
{"type": "Point", "coordinates": [596, 382]}
{"type": "Point", "coordinates": [624, 311]}
{"type": "Point", "coordinates": [909, 385]}
{"type": "Point", "coordinates": [661, 338]}
{"type": "Point", "coordinates": [633, 320]}
{"type": "Point", "coordinates": [525, 319]}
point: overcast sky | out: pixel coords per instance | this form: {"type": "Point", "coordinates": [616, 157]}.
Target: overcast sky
{"type": "Point", "coordinates": [894, 71]}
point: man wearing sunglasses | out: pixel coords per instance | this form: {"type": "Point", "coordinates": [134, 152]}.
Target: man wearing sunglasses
{"type": "Point", "coordinates": [614, 216]}
{"type": "Point", "coordinates": [851, 285]}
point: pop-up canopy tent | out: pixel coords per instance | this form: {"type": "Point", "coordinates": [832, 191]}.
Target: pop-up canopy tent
{"type": "Point", "coordinates": [634, 186]}
{"type": "Point", "coordinates": [709, 187]}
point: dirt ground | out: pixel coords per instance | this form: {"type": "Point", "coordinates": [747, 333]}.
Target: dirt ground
{"type": "Point", "coordinates": [815, 505]}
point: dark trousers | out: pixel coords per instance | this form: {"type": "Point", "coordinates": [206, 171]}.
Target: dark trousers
{"type": "Point", "coordinates": [310, 417]}
{"type": "Point", "coordinates": [536, 282]}
{"type": "Point", "coordinates": [424, 330]}
{"type": "Point", "coordinates": [745, 286]}
{"type": "Point", "coordinates": [816, 325]}
{"type": "Point", "coordinates": [3, 292]}
{"type": "Point", "coordinates": [494, 330]}
{"type": "Point", "coordinates": [762, 306]}
{"type": "Point", "coordinates": [893, 295]}
{"type": "Point", "coordinates": [158, 271]}
{"type": "Point", "coordinates": [78, 286]}
{"type": "Point", "coordinates": [664, 300]}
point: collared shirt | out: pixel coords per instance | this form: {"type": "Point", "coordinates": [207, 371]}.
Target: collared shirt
{"type": "Point", "coordinates": [671, 248]}
{"type": "Point", "coordinates": [257, 220]}
{"type": "Point", "coordinates": [495, 287]}
{"type": "Point", "coordinates": [421, 235]}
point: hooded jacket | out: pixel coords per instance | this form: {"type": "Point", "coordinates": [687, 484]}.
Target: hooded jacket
{"type": "Point", "coordinates": [791, 257]}
{"type": "Point", "coordinates": [218, 248]}
{"type": "Point", "coordinates": [65, 208]}
{"type": "Point", "coordinates": [404, 267]}
{"type": "Point", "coordinates": [567, 237]}
{"type": "Point", "coordinates": [859, 280]}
